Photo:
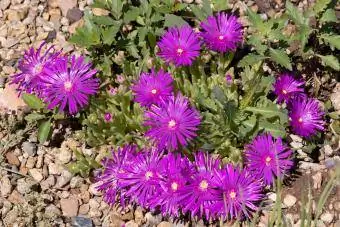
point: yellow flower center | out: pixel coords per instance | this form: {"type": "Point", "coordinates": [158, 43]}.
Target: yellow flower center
{"type": "Point", "coordinates": [221, 37]}
{"type": "Point", "coordinates": [179, 51]}
{"type": "Point", "coordinates": [300, 120]}
{"type": "Point", "coordinates": [172, 124]}
{"type": "Point", "coordinates": [154, 91]}
{"type": "Point", "coordinates": [284, 91]}
{"type": "Point", "coordinates": [174, 186]}
{"type": "Point", "coordinates": [204, 185]}
{"type": "Point", "coordinates": [148, 175]}
{"type": "Point", "coordinates": [268, 159]}
{"type": "Point", "coordinates": [232, 195]}
{"type": "Point", "coordinates": [68, 85]}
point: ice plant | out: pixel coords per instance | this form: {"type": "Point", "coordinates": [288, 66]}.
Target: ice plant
{"type": "Point", "coordinates": [306, 116]}
{"type": "Point", "coordinates": [179, 45]}
{"type": "Point", "coordinates": [268, 158]}
{"type": "Point", "coordinates": [286, 86]}
{"type": "Point", "coordinates": [152, 87]}
{"type": "Point", "coordinates": [172, 123]}
{"type": "Point", "coordinates": [238, 193]}
{"type": "Point", "coordinates": [229, 79]}
{"type": "Point", "coordinates": [68, 84]}
{"type": "Point", "coordinates": [222, 32]}
{"type": "Point", "coordinates": [141, 178]}
{"type": "Point", "coordinates": [109, 178]}
{"type": "Point", "coordinates": [32, 67]}
{"type": "Point", "coordinates": [107, 117]}
{"type": "Point", "coordinates": [200, 194]}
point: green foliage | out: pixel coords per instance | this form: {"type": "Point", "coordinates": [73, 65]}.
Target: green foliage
{"type": "Point", "coordinates": [84, 164]}
{"type": "Point", "coordinates": [44, 131]}
{"type": "Point", "coordinates": [32, 101]}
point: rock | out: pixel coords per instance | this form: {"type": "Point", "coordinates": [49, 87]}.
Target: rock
{"type": "Point", "coordinates": [81, 222]}
{"type": "Point", "coordinates": [6, 206]}
{"type": "Point", "coordinates": [94, 204]}
{"type": "Point", "coordinates": [5, 186]}
{"type": "Point", "coordinates": [165, 224]}
{"type": "Point", "coordinates": [335, 97]}
{"type": "Point", "coordinates": [93, 190]}
{"type": "Point", "coordinates": [310, 165]}
{"type": "Point", "coordinates": [65, 6]}
{"type": "Point", "coordinates": [100, 12]}
{"type": "Point", "coordinates": [9, 70]}
{"type": "Point", "coordinates": [272, 196]}
{"type": "Point", "coordinates": [51, 211]}
{"type": "Point", "coordinates": [289, 200]}
{"type": "Point", "coordinates": [10, 41]}
{"type": "Point", "coordinates": [29, 148]}
{"type": "Point", "coordinates": [152, 220]}
{"type": "Point", "coordinates": [16, 198]}
{"type": "Point", "coordinates": [30, 162]}
{"type": "Point", "coordinates": [327, 150]}
{"type": "Point", "coordinates": [337, 205]}
{"type": "Point", "coordinates": [296, 145]}
{"type": "Point", "coordinates": [73, 27]}
{"type": "Point", "coordinates": [139, 217]}
{"type": "Point", "coordinates": [51, 36]}
{"type": "Point", "coordinates": [327, 217]}
{"type": "Point", "coordinates": [54, 168]}
{"type": "Point", "coordinates": [11, 217]}
{"type": "Point", "coordinates": [62, 180]}
{"type": "Point", "coordinates": [36, 174]}
{"type": "Point", "coordinates": [74, 15]}
{"type": "Point", "coordinates": [84, 209]}
{"type": "Point", "coordinates": [317, 180]}
{"type": "Point", "coordinates": [95, 213]}
{"type": "Point", "coordinates": [76, 182]}
{"type": "Point", "coordinates": [64, 155]}
{"type": "Point", "coordinates": [23, 187]}
{"type": "Point", "coordinates": [131, 224]}
{"type": "Point", "coordinates": [53, 3]}
{"type": "Point", "coordinates": [4, 4]}
{"type": "Point", "coordinates": [9, 98]}
{"type": "Point", "coordinates": [69, 207]}
{"type": "Point", "coordinates": [295, 138]}
{"type": "Point", "coordinates": [12, 159]}
{"type": "Point", "coordinates": [13, 15]}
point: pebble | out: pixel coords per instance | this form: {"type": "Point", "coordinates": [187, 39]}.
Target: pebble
{"type": "Point", "coordinates": [164, 224]}
{"type": "Point", "coordinates": [84, 209]}
{"type": "Point", "coordinates": [289, 200]}
{"type": "Point", "coordinates": [317, 180]}
{"type": "Point", "coordinates": [139, 217]}
{"type": "Point", "coordinates": [12, 159]}
{"type": "Point", "coordinates": [272, 196]}
{"type": "Point", "coordinates": [51, 211]}
{"type": "Point", "coordinates": [64, 155]}
{"type": "Point", "coordinates": [16, 198]}
{"type": "Point", "coordinates": [74, 15]}
{"type": "Point", "coordinates": [152, 220]}
{"type": "Point", "coordinates": [69, 207]}
{"type": "Point", "coordinates": [93, 189]}
{"type": "Point", "coordinates": [54, 168]}
{"type": "Point", "coordinates": [4, 4]}
{"type": "Point", "coordinates": [335, 97]}
{"type": "Point", "coordinates": [328, 151]}
{"type": "Point", "coordinates": [76, 182]}
{"type": "Point", "coordinates": [30, 162]}
{"type": "Point", "coordinates": [5, 186]}
{"type": "Point", "coordinates": [81, 222]}
{"type": "Point", "coordinates": [23, 187]}
{"type": "Point", "coordinates": [48, 183]}
{"type": "Point", "coordinates": [131, 224]}
{"type": "Point", "coordinates": [29, 148]}
{"type": "Point", "coordinates": [65, 6]}
{"type": "Point", "coordinates": [36, 174]}
{"type": "Point", "coordinates": [327, 217]}
{"type": "Point", "coordinates": [310, 165]}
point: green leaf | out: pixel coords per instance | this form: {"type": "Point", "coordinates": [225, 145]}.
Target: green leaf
{"type": "Point", "coordinates": [220, 5]}
{"type": "Point", "coordinates": [263, 27]}
{"type": "Point", "coordinates": [131, 14]}
{"type": "Point", "coordinates": [33, 101]}
{"type": "Point", "coordinates": [109, 34]}
{"type": "Point", "coordinates": [206, 7]}
{"type": "Point", "coordinates": [173, 20]}
{"type": "Point", "coordinates": [320, 6]}
{"type": "Point", "coordinates": [332, 40]}
{"type": "Point", "coordinates": [256, 42]}
{"type": "Point", "coordinates": [328, 16]}
{"type": "Point", "coordinates": [275, 129]}
{"type": "Point", "coordinates": [34, 117]}
{"type": "Point", "coordinates": [250, 60]}
{"type": "Point", "coordinates": [200, 14]}
{"type": "Point", "coordinates": [331, 61]}
{"type": "Point", "coordinates": [103, 20]}
{"type": "Point", "coordinates": [268, 112]}
{"type": "Point", "coordinates": [116, 8]}
{"type": "Point", "coordinates": [44, 131]}
{"type": "Point", "coordinates": [280, 57]}
{"type": "Point", "coordinates": [294, 14]}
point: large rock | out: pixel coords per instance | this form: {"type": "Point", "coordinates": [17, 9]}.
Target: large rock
{"type": "Point", "coordinates": [66, 5]}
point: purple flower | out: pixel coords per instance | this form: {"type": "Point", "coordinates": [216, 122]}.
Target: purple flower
{"type": "Point", "coordinates": [153, 87]}
{"type": "Point", "coordinates": [306, 116]}
{"type": "Point", "coordinates": [286, 86]}
{"type": "Point", "coordinates": [238, 193]}
{"type": "Point", "coordinates": [229, 79]}
{"type": "Point", "coordinates": [141, 178]}
{"type": "Point", "coordinates": [107, 117]}
{"type": "Point", "coordinates": [113, 91]}
{"type": "Point", "coordinates": [32, 67]}
{"type": "Point", "coordinates": [109, 178]}
{"type": "Point", "coordinates": [200, 193]}
{"type": "Point", "coordinates": [221, 32]}
{"type": "Point", "coordinates": [174, 173]}
{"type": "Point", "coordinates": [179, 45]}
{"type": "Point", "coordinates": [267, 158]}
{"type": "Point", "coordinates": [172, 123]}
{"type": "Point", "coordinates": [69, 84]}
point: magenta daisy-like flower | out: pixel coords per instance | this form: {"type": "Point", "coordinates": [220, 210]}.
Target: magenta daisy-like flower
{"type": "Point", "coordinates": [286, 86]}
{"type": "Point", "coordinates": [107, 117]}
{"type": "Point", "coordinates": [238, 193]}
{"type": "Point", "coordinates": [152, 87]}
{"type": "Point", "coordinates": [175, 172]}
{"type": "Point", "coordinates": [306, 116]}
{"type": "Point", "coordinates": [32, 67]}
{"type": "Point", "coordinates": [141, 179]}
{"type": "Point", "coordinates": [172, 123]}
{"type": "Point", "coordinates": [69, 83]}
{"type": "Point", "coordinates": [221, 33]}
{"type": "Point", "coordinates": [267, 158]}
{"type": "Point", "coordinates": [179, 45]}
{"type": "Point", "coordinates": [109, 178]}
{"type": "Point", "coordinates": [200, 193]}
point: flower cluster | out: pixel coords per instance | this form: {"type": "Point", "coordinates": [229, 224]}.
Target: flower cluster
{"type": "Point", "coordinates": [204, 188]}
{"type": "Point", "coordinates": [61, 81]}
{"type": "Point", "coordinates": [181, 45]}
{"type": "Point", "coordinates": [305, 114]}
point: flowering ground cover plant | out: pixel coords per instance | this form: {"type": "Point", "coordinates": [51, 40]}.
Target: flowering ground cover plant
{"type": "Point", "coordinates": [197, 128]}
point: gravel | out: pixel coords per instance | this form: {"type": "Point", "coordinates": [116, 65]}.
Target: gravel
{"type": "Point", "coordinates": [29, 148]}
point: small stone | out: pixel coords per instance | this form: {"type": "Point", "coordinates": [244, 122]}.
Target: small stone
{"type": "Point", "coordinates": [23, 187]}
{"type": "Point", "coordinates": [30, 162]}
{"type": "Point", "coordinates": [296, 145]}
{"type": "Point", "coordinates": [29, 148]}
{"type": "Point", "coordinates": [5, 186]}
{"type": "Point", "coordinates": [11, 217]}
{"type": "Point", "coordinates": [272, 196]}
{"type": "Point", "coordinates": [84, 209]}
{"type": "Point", "coordinates": [64, 155]}
{"type": "Point", "coordinates": [62, 180]}
{"type": "Point", "coordinates": [95, 213]}
{"type": "Point", "coordinates": [10, 41]}
{"type": "Point", "coordinates": [93, 189]}
{"type": "Point", "coordinates": [73, 27]}
{"type": "Point", "coordinates": [139, 217]}
{"type": "Point", "coordinates": [81, 222]}
{"type": "Point", "coordinates": [328, 151]}
{"type": "Point", "coordinates": [12, 159]}
{"type": "Point", "coordinates": [9, 70]}
{"type": "Point", "coordinates": [289, 200]}
{"type": "Point", "coordinates": [317, 180]}
{"type": "Point", "coordinates": [13, 15]}
{"type": "Point", "coordinates": [94, 204]}
{"type": "Point", "coordinates": [69, 207]}
{"type": "Point", "coordinates": [164, 224]}
{"type": "Point", "coordinates": [152, 220]}
{"type": "Point", "coordinates": [51, 211]}
{"type": "Point", "coordinates": [53, 3]}
{"type": "Point", "coordinates": [16, 198]}
{"type": "Point", "coordinates": [74, 15]}
{"type": "Point", "coordinates": [36, 174]}
{"type": "Point", "coordinates": [54, 168]}
{"type": "Point", "coordinates": [131, 224]}
{"type": "Point", "coordinates": [310, 165]}
{"type": "Point", "coordinates": [337, 206]}
{"type": "Point", "coordinates": [42, 36]}
{"type": "Point", "coordinates": [4, 4]}
{"type": "Point", "coordinates": [295, 138]}
{"type": "Point", "coordinates": [327, 217]}
{"type": "Point", "coordinates": [65, 6]}
{"type": "Point", "coordinates": [335, 97]}
{"type": "Point", "coordinates": [76, 182]}
{"type": "Point", "coordinates": [100, 12]}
